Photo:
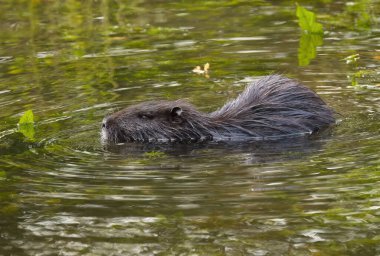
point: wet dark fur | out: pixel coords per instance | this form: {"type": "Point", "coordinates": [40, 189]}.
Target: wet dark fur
{"type": "Point", "coordinates": [274, 106]}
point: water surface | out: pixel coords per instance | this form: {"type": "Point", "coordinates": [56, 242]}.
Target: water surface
{"type": "Point", "coordinates": [73, 62]}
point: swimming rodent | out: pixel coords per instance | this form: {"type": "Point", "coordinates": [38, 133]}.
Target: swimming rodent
{"type": "Point", "coordinates": [272, 107]}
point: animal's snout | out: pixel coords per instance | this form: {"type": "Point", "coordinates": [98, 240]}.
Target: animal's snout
{"type": "Point", "coordinates": [108, 122]}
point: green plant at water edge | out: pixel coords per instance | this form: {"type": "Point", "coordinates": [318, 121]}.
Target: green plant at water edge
{"type": "Point", "coordinates": [26, 124]}
{"type": "Point", "coordinates": [360, 77]}
{"type": "Point", "coordinates": [312, 36]}
{"type": "Point", "coordinates": [308, 48]}
{"type": "Point", "coordinates": [307, 21]}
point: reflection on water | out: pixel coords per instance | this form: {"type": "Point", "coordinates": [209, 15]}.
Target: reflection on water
{"type": "Point", "coordinates": [74, 62]}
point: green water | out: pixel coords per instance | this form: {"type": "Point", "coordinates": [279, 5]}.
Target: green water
{"type": "Point", "coordinates": [72, 62]}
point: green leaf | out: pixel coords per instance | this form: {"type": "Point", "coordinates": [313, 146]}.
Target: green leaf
{"type": "Point", "coordinates": [27, 118]}
{"type": "Point", "coordinates": [308, 48]}
{"type": "Point", "coordinates": [307, 22]}
{"type": "Point", "coordinates": [26, 125]}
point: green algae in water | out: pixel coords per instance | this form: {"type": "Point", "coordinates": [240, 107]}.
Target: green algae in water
{"type": "Point", "coordinates": [154, 154]}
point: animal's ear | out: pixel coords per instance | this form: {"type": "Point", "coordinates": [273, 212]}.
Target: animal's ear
{"type": "Point", "coordinates": [176, 115]}
{"type": "Point", "coordinates": [176, 112]}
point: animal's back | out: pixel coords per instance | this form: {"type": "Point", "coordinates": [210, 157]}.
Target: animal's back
{"type": "Point", "coordinates": [273, 106]}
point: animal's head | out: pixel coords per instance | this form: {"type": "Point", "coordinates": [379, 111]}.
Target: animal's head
{"type": "Point", "coordinates": [150, 121]}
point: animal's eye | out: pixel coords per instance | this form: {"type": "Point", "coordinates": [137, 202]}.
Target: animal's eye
{"type": "Point", "coordinates": [145, 116]}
